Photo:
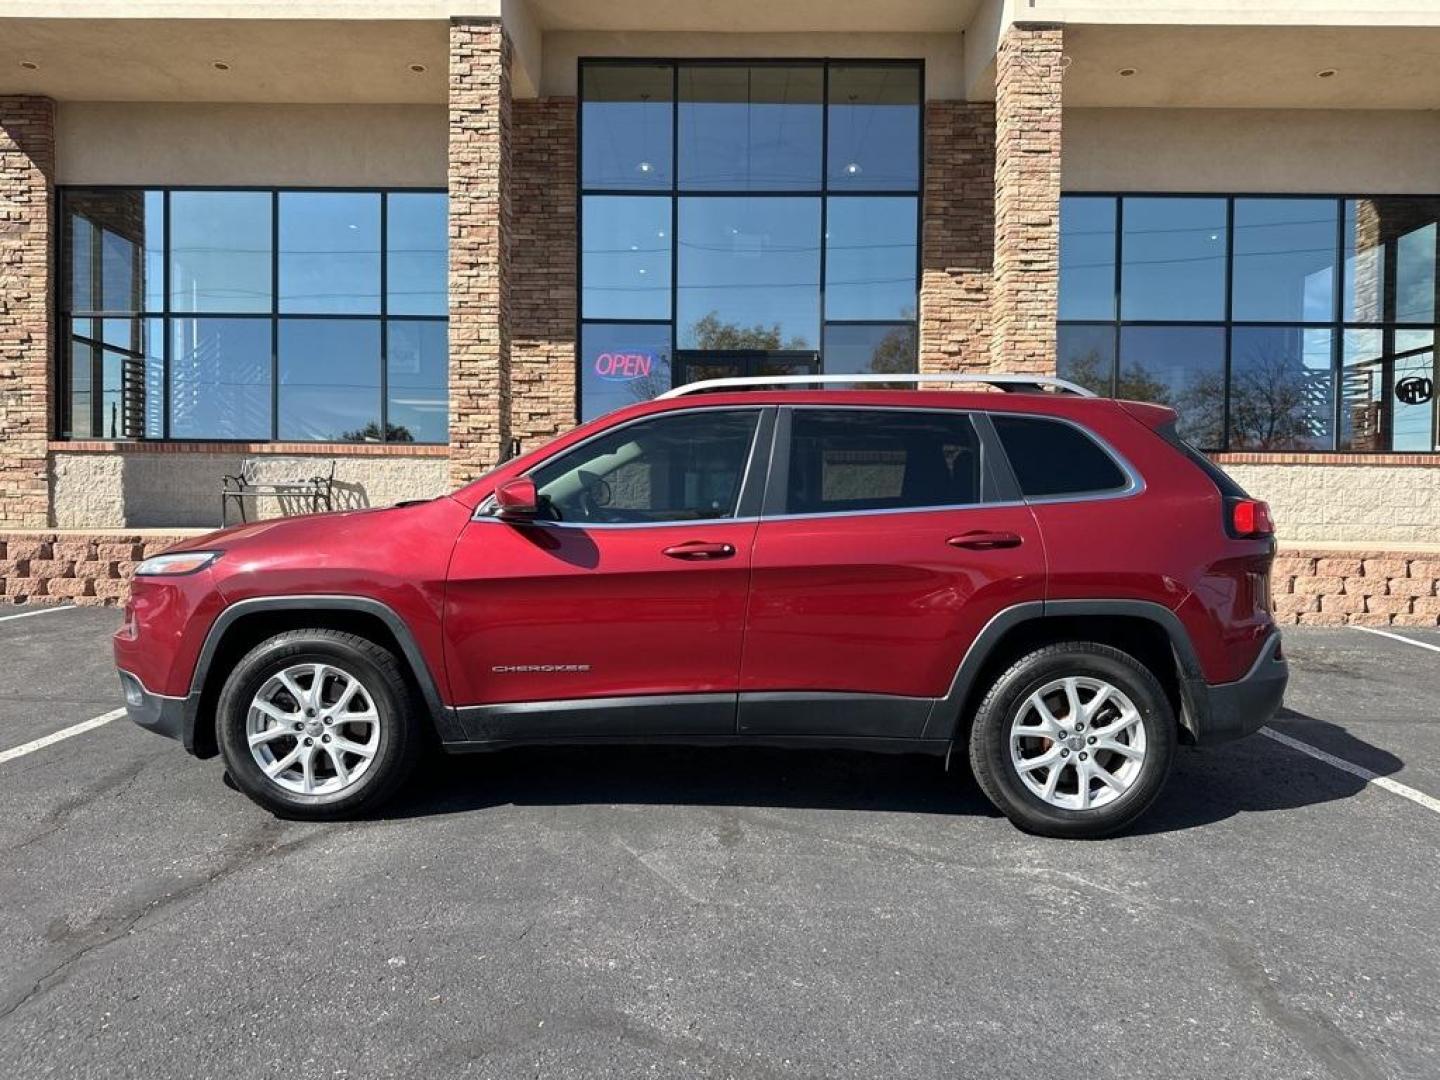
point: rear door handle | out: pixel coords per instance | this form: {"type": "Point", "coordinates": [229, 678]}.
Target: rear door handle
{"type": "Point", "coordinates": [983, 540]}
{"type": "Point", "coordinates": [699, 551]}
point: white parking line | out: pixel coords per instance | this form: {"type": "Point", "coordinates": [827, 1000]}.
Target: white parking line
{"type": "Point", "coordinates": [38, 611]}
{"type": "Point", "coordinates": [64, 733]}
{"type": "Point", "coordinates": [1392, 786]}
{"type": "Point", "coordinates": [1397, 637]}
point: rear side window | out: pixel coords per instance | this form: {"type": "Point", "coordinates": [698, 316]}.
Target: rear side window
{"type": "Point", "coordinates": [850, 459]}
{"type": "Point", "coordinates": [1051, 458]}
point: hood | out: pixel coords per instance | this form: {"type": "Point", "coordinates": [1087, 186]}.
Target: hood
{"type": "Point", "coordinates": [237, 536]}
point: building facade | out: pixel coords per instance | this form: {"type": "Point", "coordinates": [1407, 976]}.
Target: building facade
{"type": "Point", "coordinates": [402, 234]}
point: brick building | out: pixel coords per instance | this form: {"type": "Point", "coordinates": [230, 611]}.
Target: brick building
{"type": "Point", "coordinates": [399, 234]}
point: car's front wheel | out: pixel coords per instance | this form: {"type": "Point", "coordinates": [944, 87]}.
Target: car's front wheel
{"type": "Point", "coordinates": [318, 724]}
{"type": "Point", "coordinates": [1073, 740]}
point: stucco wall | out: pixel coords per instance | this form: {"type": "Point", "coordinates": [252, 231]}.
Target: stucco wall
{"type": "Point", "coordinates": [182, 490]}
{"type": "Point", "coordinates": [1359, 504]}
{"type": "Point", "coordinates": [1243, 150]}
{"type": "Point", "coordinates": [227, 144]}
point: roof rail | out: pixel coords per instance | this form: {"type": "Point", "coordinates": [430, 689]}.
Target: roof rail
{"type": "Point", "coordinates": [1029, 384]}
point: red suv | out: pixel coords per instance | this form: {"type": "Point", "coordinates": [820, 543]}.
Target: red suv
{"type": "Point", "coordinates": [1053, 583]}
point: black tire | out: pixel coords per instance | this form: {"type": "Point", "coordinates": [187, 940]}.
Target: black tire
{"type": "Point", "coordinates": [400, 728]}
{"type": "Point", "coordinates": [999, 777]}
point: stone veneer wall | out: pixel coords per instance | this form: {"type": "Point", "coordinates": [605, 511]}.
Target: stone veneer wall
{"type": "Point", "coordinates": [480, 218]}
{"type": "Point", "coordinates": [1358, 504]}
{"type": "Point", "coordinates": [1362, 588]}
{"type": "Point", "coordinates": [1027, 198]}
{"type": "Point", "coordinates": [957, 236]}
{"type": "Point", "coordinates": [542, 268]}
{"type": "Point", "coordinates": [27, 170]}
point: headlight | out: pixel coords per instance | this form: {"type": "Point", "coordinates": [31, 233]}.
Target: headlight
{"type": "Point", "coordinates": [182, 562]}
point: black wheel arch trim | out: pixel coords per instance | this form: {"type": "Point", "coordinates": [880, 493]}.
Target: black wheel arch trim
{"type": "Point", "coordinates": [445, 722]}
{"type": "Point", "coordinates": [948, 712]}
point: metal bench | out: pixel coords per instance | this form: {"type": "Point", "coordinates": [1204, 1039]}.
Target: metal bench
{"type": "Point", "coordinates": [250, 483]}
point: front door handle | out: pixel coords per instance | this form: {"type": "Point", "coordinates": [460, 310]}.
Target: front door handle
{"type": "Point", "coordinates": [699, 551]}
{"type": "Point", "coordinates": [984, 540]}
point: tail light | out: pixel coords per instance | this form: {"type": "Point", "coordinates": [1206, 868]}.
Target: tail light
{"type": "Point", "coordinates": [1250, 517]}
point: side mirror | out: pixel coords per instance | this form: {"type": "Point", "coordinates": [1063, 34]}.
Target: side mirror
{"type": "Point", "coordinates": [517, 499]}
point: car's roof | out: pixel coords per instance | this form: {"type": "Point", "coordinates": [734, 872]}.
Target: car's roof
{"type": "Point", "coordinates": [992, 401]}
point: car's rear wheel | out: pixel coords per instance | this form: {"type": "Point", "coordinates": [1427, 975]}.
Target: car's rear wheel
{"type": "Point", "coordinates": [318, 724]}
{"type": "Point", "coordinates": [1073, 740]}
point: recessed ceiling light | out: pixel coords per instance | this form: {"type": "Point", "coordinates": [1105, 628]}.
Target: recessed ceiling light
{"type": "Point", "coordinates": [1125, 73]}
{"type": "Point", "coordinates": [1325, 73]}
{"type": "Point", "coordinates": [418, 69]}
{"type": "Point", "coordinates": [219, 65]}
{"type": "Point", "coordinates": [29, 65]}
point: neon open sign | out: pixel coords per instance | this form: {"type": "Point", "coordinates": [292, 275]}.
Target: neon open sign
{"type": "Point", "coordinates": [623, 366]}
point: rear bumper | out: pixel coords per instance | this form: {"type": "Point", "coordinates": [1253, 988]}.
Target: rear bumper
{"type": "Point", "coordinates": [1225, 711]}
{"type": "Point", "coordinates": [154, 712]}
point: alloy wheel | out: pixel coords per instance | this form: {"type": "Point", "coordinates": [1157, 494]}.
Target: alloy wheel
{"type": "Point", "coordinates": [1078, 743]}
{"type": "Point", "coordinates": [313, 729]}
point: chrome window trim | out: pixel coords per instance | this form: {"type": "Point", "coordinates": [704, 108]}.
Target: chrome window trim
{"type": "Point", "coordinates": [486, 510]}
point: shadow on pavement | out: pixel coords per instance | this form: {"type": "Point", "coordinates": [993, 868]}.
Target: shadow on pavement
{"type": "Point", "coordinates": [1253, 775]}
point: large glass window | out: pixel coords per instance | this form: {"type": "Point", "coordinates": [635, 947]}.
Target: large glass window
{"type": "Point", "coordinates": [744, 218]}
{"type": "Point", "coordinates": [1268, 322]}
{"type": "Point", "coordinates": [254, 315]}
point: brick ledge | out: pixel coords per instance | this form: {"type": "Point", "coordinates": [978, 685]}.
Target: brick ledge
{"type": "Point", "coordinates": [90, 446]}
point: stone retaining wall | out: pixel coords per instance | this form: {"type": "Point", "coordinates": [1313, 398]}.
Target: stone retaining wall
{"type": "Point", "coordinates": [73, 568]}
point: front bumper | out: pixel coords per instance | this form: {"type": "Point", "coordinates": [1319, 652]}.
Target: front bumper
{"type": "Point", "coordinates": [155, 712]}
{"type": "Point", "coordinates": [1221, 712]}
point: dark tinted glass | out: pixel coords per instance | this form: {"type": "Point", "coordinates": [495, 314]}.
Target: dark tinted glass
{"type": "Point", "coordinates": [330, 380]}
{"type": "Point", "coordinates": [745, 128]}
{"type": "Point", "coordinates": [1086, 355]}
{"type": "Point", "coordinates": [870, 349]}
{"type": "Point", "coordinates": [418, 364]}
{"type": "Point", "coordinates": [682, 467]}
{"type": "Point", "coordinates": [1282, 389]}
{"type": "Point", "coordinates": [848, 460]}
{"type": "Point", "coordinates": [749, 273]}
{"type": "Point", "coordinates": [870, 258]}
{"type": "Point", "coordinates": [1087, 257]}
{"type": "Point", "coordinates": [1285, 258]}
{"type": "Point", "coordinates": [626, 127]}
{"type": "Point", "coordinates": [1179, 366]}
{"type": "Point", "coordinates": [416, 252]}
{"type": "Point", "coordinates": [625, 257]}
{"type": "Point", "coordinates": [1051, 458]}
{"type": "Point", "coordinates": [329, 253]}
{"type": "Point", "coordinates": [220, 379]}
{"type": "Point", "coordinates": [220, 251]}
{"type": "Point", "coordinates": [874, 128]}
{"type": "Point", "coordinates": [622, 364]}
{"type": "Point", "coordinates": [1173, 259]}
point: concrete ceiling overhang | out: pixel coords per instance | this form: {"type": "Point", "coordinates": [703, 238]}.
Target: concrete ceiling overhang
{"type": "Point", "coordinates": [1250, 67]}
{"type": "Point", "coordinates": [756, 16]}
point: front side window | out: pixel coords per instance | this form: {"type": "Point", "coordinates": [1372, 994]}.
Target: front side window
{"type": "Point", "coordinates": [852, 460]}
{"type": "Point", "coordinates": [746, 217]}
{"type": "Point", "coordinates": [1270, 323]}
{"type": "Point", "coordinates": [254, 315]}
{"type": "Point", "coordinates": [1053, 459]}
{"type": "Point", "coordinates": [686, 466]}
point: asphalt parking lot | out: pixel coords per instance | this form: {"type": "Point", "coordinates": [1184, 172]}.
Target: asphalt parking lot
{"type": "Point", "coordinates": [688, 913]}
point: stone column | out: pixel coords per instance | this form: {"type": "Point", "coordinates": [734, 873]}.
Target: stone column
{"type": "Point", "coordinates": [479, 245]}
{"type": "Point", "coordinates": [957, 237]}
{"type": "Point", "coordinates": [542, 270]}
{"type": "Point", "coordinates": [1027, 198]}
{"type": "Point", "coordinates": [27, 231]}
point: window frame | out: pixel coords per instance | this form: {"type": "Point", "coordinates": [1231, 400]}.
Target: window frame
{"type": "Point", "coordinates": [748, 498]}
{"type": "Point", "coordinates": [675, 191]}
{"type": "Point", "coordinates": [997, 485]}
{"type": "Point", "coordinates": [65, 313]}
{"type": "Point", "coordinates": [1337, 325]}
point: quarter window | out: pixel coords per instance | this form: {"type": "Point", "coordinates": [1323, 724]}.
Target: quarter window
{"type": "Point", "coordinates": [1051, 458]}
{"type": "Point", "coordinates": [848, 460]}
{"type": "Point", "coordinates": [685, 466]}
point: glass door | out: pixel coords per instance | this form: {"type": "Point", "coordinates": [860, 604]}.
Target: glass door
{"type": "Point", "coordinates": [693, 365]}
